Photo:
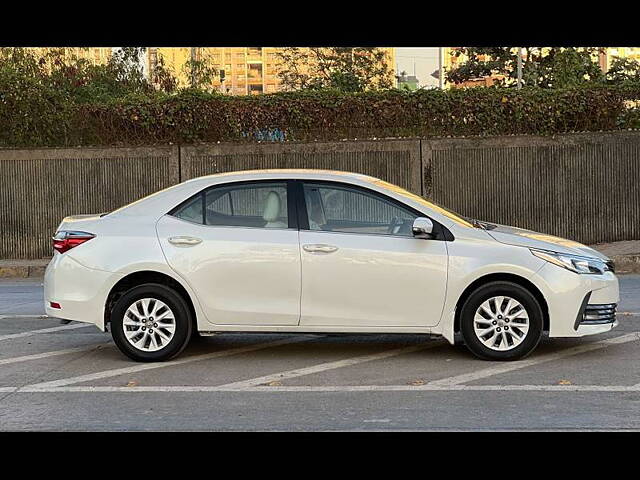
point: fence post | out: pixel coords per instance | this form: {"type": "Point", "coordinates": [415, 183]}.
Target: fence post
{"type": "Point", "coordinates": [175, 166]}
{"type": "Point", "coordinates": [426, 180]}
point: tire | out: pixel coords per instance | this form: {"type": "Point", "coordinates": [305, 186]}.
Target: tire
{"type": "Point", "coordinates": [134, 311]}
{"type": "Point", "coordinates": [483, 321]}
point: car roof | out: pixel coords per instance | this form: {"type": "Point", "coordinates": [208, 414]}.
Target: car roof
{"type": "Point", "coordinates": [288, 173]}
{"type": "Point", "coordinates": [168, 198]}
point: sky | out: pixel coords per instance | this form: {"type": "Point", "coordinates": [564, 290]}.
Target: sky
{"type": "Point", "coordinates": [425, 60]}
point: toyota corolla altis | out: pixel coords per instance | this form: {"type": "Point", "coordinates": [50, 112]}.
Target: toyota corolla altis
{"type": "Point", "coordinates": [319, 251]}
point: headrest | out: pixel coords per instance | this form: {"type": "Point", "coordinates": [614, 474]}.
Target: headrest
{"type": "Point", "coordinates": [271, 207]}
{"type": "Point", "coordinates": [314, 206]}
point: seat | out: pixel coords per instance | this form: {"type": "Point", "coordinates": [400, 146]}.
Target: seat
{"type": "Point", "coordinates": [317, 219]}
{"type": "Point", "coordinates": [271, 211]}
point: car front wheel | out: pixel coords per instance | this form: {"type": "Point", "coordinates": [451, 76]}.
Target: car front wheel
{"type": "Point", "coordinates": [151, 323]}
{"type": "Point", "coordinates": [501, 321]}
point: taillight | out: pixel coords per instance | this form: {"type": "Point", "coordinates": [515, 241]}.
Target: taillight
{"type": "Point", "coordinates": [65, 240]}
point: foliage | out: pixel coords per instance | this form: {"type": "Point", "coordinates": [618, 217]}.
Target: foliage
{"type": "Point", "coordinates": [549, 67]}
{"type": "Point", "coordinates": [200, 72]}
{"type": "Point", "coordinates": [31, 111]}
{"type": "Point", "coordinates": [87, 81]}
{"type": "Point", "coordinates": [40, 94]}
{"type": "Point", "coordinates": [623, 70]}
{"type": "Point", "coordinates": [192, 116]}
{"type": "Point", "coordinates": [58, 101]}
{"type": "Point", "coordinates": [162, 78]}
{"type": "Point", "coordinates": [341, 68]}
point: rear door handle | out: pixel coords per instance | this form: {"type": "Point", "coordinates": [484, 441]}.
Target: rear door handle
{"type": "Point", "coordinates": [319, 248]}
{"type": "Point", "coordinates": [184, 241]}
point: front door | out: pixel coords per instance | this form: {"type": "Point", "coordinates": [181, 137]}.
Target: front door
{"type": "Point", "coordinates": [361, 265]}
{"type": "Point", "coordinates": [236, 248]}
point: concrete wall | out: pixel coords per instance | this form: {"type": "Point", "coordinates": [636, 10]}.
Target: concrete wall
{"type": "Point", "coordinates": [40, 187]}
{"type": "Point", "coordinates": [581, 186]}
{"type": "Point", "coordinates": [397, 161]}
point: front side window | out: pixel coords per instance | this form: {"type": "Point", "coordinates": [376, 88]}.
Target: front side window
{"type": "Point", "coordinates": [259, 205]}
{"type": "Point", "coordinates": [342, 209]}
{"type": "Point", "coordinates": [438, 208]}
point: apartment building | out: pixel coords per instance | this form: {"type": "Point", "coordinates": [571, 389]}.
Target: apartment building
{"type": "Point", "coordinates": [247, 70]}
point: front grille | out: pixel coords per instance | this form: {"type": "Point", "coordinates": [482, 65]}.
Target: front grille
{"type": "Point", "coordinates": [597, 314]}
{"type": "Point", "coordinates": [611, 266]}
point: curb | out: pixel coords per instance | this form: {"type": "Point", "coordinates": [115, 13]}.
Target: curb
{"type": "Point", "coordinates": [22, 271]}
{"type": "Point", "coordinates": [626, 263]}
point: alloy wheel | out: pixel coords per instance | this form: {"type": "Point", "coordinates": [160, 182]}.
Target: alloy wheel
{"type": "Point", "coordinates": [501, 323]}
{"type": "Point", "coordinates": [149, 324]}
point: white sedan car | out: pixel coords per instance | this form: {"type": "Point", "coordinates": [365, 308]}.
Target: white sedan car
{"type": "Point", "coordinates": [319, 251]}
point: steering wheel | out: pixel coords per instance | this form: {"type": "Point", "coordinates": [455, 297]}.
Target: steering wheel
{"type": "Point", "coordinates": [395, 222]}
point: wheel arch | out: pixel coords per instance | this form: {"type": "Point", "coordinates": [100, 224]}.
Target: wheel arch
{"type": "Point", "coordinates": [509, 277]}
{"type": "Point", "coordinates": [147, 276]}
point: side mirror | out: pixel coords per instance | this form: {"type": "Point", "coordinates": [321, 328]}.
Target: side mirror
{"type": "Point", "coordinates": [422, 228]}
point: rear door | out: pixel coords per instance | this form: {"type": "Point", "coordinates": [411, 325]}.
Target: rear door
{"type": "Point", "coordinates": [237, 247]}
{"type": "Point", "coordinates": [361, 265]}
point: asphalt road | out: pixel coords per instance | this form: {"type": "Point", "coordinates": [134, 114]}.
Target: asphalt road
{"type": "Point", "coordinates": [71, 377]}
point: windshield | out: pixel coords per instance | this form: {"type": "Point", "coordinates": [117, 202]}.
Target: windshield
{"type": "Point", "coordinates": [461, 220]}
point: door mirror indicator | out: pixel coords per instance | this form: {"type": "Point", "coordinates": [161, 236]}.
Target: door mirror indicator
{"type": "Point", "coordinates": [422, 228]}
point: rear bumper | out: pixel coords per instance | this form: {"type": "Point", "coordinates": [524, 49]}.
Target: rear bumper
{"type": "Point", "coordinates": [569, 296]}
{"type": "Point", "coordinates": [80, 291]}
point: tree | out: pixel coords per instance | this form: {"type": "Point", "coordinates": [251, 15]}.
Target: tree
{"type": "Point", "coordinates": [81, 80]}
{"type": "Point", "coordinates": [622, 70]}
{"type": "Point", "coordinates": [547, 67]}
{"type": "Point", "coordinates": [200, 72]}
{"type": "Point", "coordinates": [346, 69]}
{"type": "Point", "coordinates": [121, 75]}
{"type": "Point", "coordinates": [162, 77]}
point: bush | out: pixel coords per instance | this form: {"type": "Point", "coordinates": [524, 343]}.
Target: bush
{"type": "Point", "coordinates": [32, 112]}
{"type": "Point", "coordinates": [79, 104]}
{"type": "Point", "coordinates": [191, 117]}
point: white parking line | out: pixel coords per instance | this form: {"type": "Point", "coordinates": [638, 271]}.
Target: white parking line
{"type": "Point", "coordinates": [37, 356]}
{"type": "Point", "coordinates": [328, 366]}
{"type": "Point", "coordinates": [328, 389]}
{"type": "Point", "coordinates": [10, 317]}
{"type": "Point", "coordinates": [511, 366]}
{"type": "Point", "coordinates": [150, 366]}
{"type": "Point", "coordinates": [45, 330]}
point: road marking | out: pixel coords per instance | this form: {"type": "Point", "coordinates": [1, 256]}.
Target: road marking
{"type": "Point", "coordinates": [45, 330]}
{"type": "Point", "coordinates": [328, 389]}
{"type": "Point", "coordinates": [150, 366]}
{"type": "Point", "coordinates": [253, 382]}
{"type": "Point", "coordinates": [511, 366]}
{"type": "Point", "coordinates": [9, 317]}
{"type": "Point", "coordinates": [54, 353]}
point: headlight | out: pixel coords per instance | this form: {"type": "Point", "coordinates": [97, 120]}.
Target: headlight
{"type": "Point", "coordinates": [574, 263]}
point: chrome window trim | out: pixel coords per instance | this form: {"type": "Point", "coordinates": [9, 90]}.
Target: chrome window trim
{"type": "Point", "coordinates": [226, 226]}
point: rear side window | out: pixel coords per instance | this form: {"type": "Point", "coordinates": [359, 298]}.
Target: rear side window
{"type": "Point", "coordinates": [191, 211]}
{"type": "Point", "coordinates": [258, 205]}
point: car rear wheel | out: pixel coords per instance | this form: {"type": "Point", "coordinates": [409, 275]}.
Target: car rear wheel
{"type": "Point", "coordinates": [151, 323]}
{"type": "Point", "coordinates": [501, 321]}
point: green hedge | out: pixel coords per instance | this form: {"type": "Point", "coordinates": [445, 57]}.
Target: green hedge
{"type": "Point", "coordinates": [42, 117]}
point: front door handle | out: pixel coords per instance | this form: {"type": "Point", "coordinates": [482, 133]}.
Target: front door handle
{"type": "Point", "coordinates": [184, 241]}
{"type": "Point", "coordinates": [319, 248]}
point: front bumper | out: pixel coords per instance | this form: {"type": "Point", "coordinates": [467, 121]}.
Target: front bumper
{"type": "Point", "coordinates": [576, 301]}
